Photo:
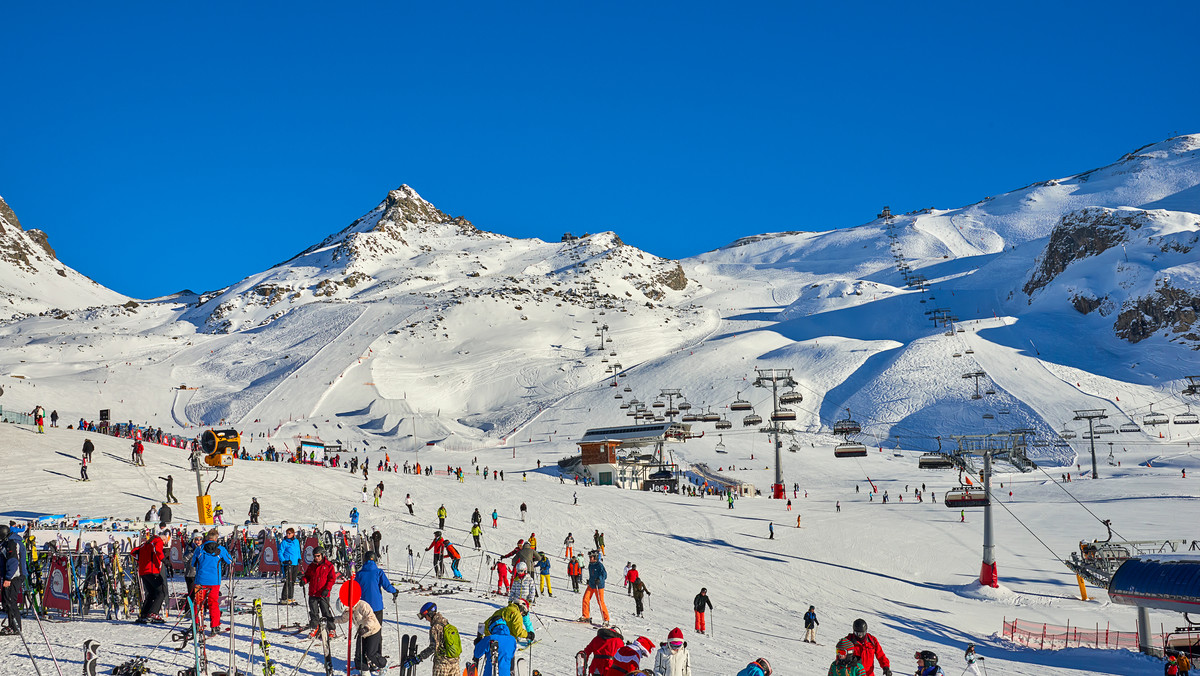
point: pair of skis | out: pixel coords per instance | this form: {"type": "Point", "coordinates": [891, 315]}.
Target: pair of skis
{"type": "Point", "coordinates": [408, 652]}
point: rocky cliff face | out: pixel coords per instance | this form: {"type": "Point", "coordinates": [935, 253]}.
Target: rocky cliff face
{"type": "Point", "coordinates": [1168, 309]}
{"type": "Point", "coordinates": [1082, 234]}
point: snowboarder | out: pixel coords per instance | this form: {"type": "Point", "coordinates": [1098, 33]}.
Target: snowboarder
{"type": "Point", "coordinates": [253, 513]}
{"type": "Point", "coordinates": [373, 582]}
{"type": "Point", "coordinates": [595, 587]}
{"type": "Point", "coordinates": [759, 667]}
{"type": "Point", "coordinates": [319, 577]}
{"type": "Point", "coordinates": [700, 604]}
{"type": "Point", "coordinates": [672, 658]}
{"type": "Point", "coordinates": [810, 625]}
{"type": "Point", "coordinates": [868, 649]}
{"type": "Point", "coordinates": [847, 663]}
{"type": "Point", "coordinates": [927, 664]}
{"type": "Point", "coordinates": [445, 653]}
{"type": "Point", "coordinates": [170, 487]}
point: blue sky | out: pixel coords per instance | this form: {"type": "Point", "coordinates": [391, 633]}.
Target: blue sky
{"type": "Point", "coordinates": [173, 145]}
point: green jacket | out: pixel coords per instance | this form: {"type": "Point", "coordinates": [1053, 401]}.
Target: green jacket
{"type": "Point", "coordinates": [851, 668]}
{"type": "Point", "coordinates": [511, 615]}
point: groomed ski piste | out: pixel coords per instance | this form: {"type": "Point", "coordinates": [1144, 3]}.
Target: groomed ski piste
{"type": "Point", "coordinates": [395, 333]}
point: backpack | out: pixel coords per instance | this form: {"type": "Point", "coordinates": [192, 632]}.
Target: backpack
{"type": "Point", "coordinates": [451, 644]}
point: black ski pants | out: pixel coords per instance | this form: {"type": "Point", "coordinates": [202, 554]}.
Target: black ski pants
{"type": "Point", "coordinates": [289, 582]}
{"type": "Point", "coordinates": [9, 599]}
{"type": "Point", "coordinates": [318, 609]}
{"type": "Point", "coordinates": [155, 592]}
{"type": "Point", "coordinates": [368, 652]}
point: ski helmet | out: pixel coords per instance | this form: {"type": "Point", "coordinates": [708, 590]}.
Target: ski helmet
{"type": "Point", "coordinates": [766, 666]}
{"type": "Point", "coordinates": [437, 533]}
{"type": "Point", "coordinates": [427, 610]}
{"type": "Point", "coordinates": [521, 567]}
{"type": "Point", "coordinates": [4, 530]}
{"type": "Point", "coordinates": [369, 556]}
{"type": "Point", "coordinates": [860, 627]}
{"type": "Point", "coordinates": [845, 647]}
{"type": "Point", "coordinates": [929, 657]}
{"type": "Point", "coordinates": [523, 605]}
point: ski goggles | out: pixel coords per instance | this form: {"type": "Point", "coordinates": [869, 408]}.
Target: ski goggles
{"type": "Point", "coordinates": [675, 645]}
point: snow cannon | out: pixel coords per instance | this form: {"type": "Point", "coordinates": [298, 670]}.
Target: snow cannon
{"type": "Point", "coordinates": [220, 447]}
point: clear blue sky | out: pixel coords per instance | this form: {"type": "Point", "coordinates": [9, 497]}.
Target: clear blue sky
{"type": "Point", "coordinates": [172, 145]}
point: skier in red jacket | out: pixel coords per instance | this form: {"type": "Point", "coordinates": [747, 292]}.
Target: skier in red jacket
{"type": "Point", "coordinates": [320, 577]}
{"type": "Point", "coordinates": [602, 649]}
{"type": "Point", "coordinates": [150, 558]}
{"type": "Point", "coordinates": [868, 649]}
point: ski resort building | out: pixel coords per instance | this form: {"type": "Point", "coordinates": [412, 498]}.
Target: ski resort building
{"type": "Point", "coordinates": [616, 456]}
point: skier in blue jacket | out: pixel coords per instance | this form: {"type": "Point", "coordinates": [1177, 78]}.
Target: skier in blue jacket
{"type": "Point", "coordinates": [372, 581]}
{"type": "Point", "coordinates": [759, 667]}
{"type": "Point", "coordinates": [289, 558]}
{"type": "Point", "coordinates": [506, 646]}
{"type": "Point", "coordinates": [206, 561]}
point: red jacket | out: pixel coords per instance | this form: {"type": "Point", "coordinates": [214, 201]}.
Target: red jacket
{"type": "Point", "coordinates": [320, 578]}
{"type": "Point", "coordinates": [573, 568]}
{"type": "Point", "coordinates": [150, 556]}
{"type": "Point", "coordinates": [631, 576]}
{"type": "Point", "coordinates": [868, 650]}
{"type": "Point", "coordinates": [626, 661]}
{"type": "Point", "coordinates": [452, 552]}
{"type": "Point", "coordinates": [438, 546]}
{"type": "Point", "coordinates": [602, 650]}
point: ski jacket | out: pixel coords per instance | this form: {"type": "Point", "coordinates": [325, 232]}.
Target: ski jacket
{"type": "Point", "coordinates": [669, 662]}
{"type": "Point", "coordinates": [602, 649]}
{"type": "Point", "coordinates": [88, 446]}
{"type": "Point", "coordinates": [631, 576]}
{"type": "Point", "coordinates": [848, 668]}
{"type": "Point", "coordinates": [627, 659]}
{"type": "Point", "coordinates": [868, 651]}
{"type": "Point", "coordinates": [364, 619]}
{"type": "Point", "coordinates": [523, 587]}
{"type": "Point", "coordinates": [596, 575]}
{"type": "Point", "coordinates": [506, 646]}
{"type": "Point", "coordinates": [544, 566]}
{"type": "Point", "coordinates": [452, 552]}
{"type": "Point", "coordinates": [164, 514]}
{"type": "Point", "coordinates": [476, 531]}
{"type": "Point", "coordinates": [289, 550]}
{"type": "Point", "coordinates": [751, 669]}
{"type": "Point", "coordinates": [701, 602]}
{"type": "Point", "coordinates": [526, 555]}
{"type": "Point", "coordinates": [810, 620]}
{"type": "Point", "coordinates": [569, 541]}
{"type": "Point", "coordinates": [150, 556]}
{"type": "Point", "coordinates": [254, 508]}
{"type": "Point", "coordinates": [639, 588]}
{"type": "Point", "coordinates": [320, 578]}
{"type": "Point", "coordinates": [441, 512]}
{"type": "Point", "coordinates": [511, 614]}
{"type": "Point", "coordinates": [573, 568]}
{"type": "Point", "coordinates": [437, 637]}
{"type": "Point", "coordinates": [13, 557]}
{"type": "Point", "coordinates": [208, 566]}
{"type": "Point", "coordinates": [438, 545]}
{"type": "Point", "coordinates": [373, 581]}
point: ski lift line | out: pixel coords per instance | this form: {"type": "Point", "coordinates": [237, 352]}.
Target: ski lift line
{"type": "Point", "coordinates": [1085, 507]}
{"type": "Point", "coordinates": [1029, 530]}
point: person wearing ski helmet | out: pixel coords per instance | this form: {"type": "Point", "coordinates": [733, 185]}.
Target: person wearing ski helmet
{"type": "Point", "coordinates": [443, 665]}
{"type": "Point", "coordinates": [206, 561]}
{"type": "Point", "coordinates": [628, 657]}
{"type": "Point", "coordinates": [927, 664]}
{"type": "Point", "coordinates": [595, 587]}
{"type": "Point", "coordinates": [516, 616]}
{"type": "Point", "coordinates": [810, 625]}
{"type": "Point", "coordinates": [319, 577]}
{"type": "Point", "coordinates": [373, 582]}
{"type": "Point", "coordinates": [868, 649]}
{"type": "Point", "coordinates": [759, 667]}
{"type": "Point", "coordinates": [12, 567]}
{"type": "Point", "coordinates": [972, 658]}
{"type": "Point", "coordinates": [523, 585]}
{"type": "Point", "coordinates": [672, 658]}
{"type": "Point", "coordinates": [439, 549]}
{"type": "Point", "coordinates": [846, 663]}
{"type": "Point", "coordinates": [497, 635]}
{"type": "Point", "coordinates": [700, 604]}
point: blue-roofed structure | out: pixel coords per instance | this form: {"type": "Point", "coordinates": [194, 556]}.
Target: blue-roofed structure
{"type": "Point", "coordinates": [1159, 581]}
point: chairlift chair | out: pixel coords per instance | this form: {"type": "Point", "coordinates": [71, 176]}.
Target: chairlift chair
{"type": "Point", "coordinates": [604, 360]}
{"type": "Point", "coordinates": [957, 354]}
{"type": "Point", "coordinates": [782, 415]}
{"type": "Point", "coordinates": [659, 404]}
{"type": "Point", "coordinates": [740, 404]}
{"type": "Point", "coordinates": [850, 449]}
{"type": "Point", "coordinates": [989, 391]}
{"type": "Point", "coordinates": [618, 395]}
{"type": "Point", "coordinates": [621, 375]}
{"type": "Point", "coordinates": [724, 424]}
{"type": "Point", "coordinates": [711, 417]}
{"type": "Point", "coordinates": [934, 461]}
{"type": "Point", "coordinates": [790, 397]}
{"type": "Point", "coordinates": [672, 412]}
{"type": "Point", "coordinates": [624, 405]}
{"type": "Point", "coordinates": [1067, 433]}
{"type": "Point", "coordinates": [627, 388]}
{"type": "Point", "coordinates": [752, 420]}
{"type": "Point", "coordinates": [659, 418]}
{"type": "Point", "coordinates": [988, 416]}
{"type": "Point", "coordinates": [688, 417]}
{"type": "Point", "coordinates": [969, 351]}
{"type": "Point", "coordinates": [847, 425]}
{"type": "Point", "coordinates": [1130, 428]}
{"type": "Point", "coordinates": [1151, 419]}
{"type": "Point", "coordinates": [684, 405]}
{"type": "Point", "coordinates": [1188, 418]}
{"type": "Point", "coordinates": [958, 498]}
{"type": "Point", "coordinates": [1104, 428]}
{"type": "Point", "coordinates": [720, 447]}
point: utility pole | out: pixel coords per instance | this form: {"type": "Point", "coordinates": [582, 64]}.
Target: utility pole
{"type": "Point", "coordinates": [1091, 415]}
{"type": "Point", "coordinates": [773, 378]}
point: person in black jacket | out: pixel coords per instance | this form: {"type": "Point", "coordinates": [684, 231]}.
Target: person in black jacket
{"type": "Point", "coordinates": [170, 488]}
{"type": "Point", "coordinates": [12, 569]}
{"type": "Point", "coordinates": [700, 604]}
{"type": "Point", "coordinates": [88, 449]}
{"type": "Point", "coordinates": [254, 510]}
{"type": "Point", "coordinates": [810, 625]}
{"type": "Point", "coordinates": [164, 515]}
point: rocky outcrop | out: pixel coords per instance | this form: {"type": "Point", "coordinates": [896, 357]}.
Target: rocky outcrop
{"type": "Point", "coordinates": [1169, 309]}
{"type": "Point", "coordinates": [1078, 235]}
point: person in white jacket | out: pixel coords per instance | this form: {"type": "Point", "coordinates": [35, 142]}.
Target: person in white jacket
{"type": "Point", "coordinates": [368, 655]}
{"type": "Point", "coordinates": [672, 658]}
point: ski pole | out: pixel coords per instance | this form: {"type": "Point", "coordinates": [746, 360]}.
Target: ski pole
{"type": "Point", "coordinates": [30, 653]}
{"type": "Point", "coordinates": [399, 640]}
{"type": "Point", "coordinates": [45, 638]}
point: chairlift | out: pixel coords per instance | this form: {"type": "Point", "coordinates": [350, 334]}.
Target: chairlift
{"type": "Point", "coordinates": [659, 418]}
{"type": "Point", "coordinates": [618, 395]}
{"type": "Point", "coordinates": [752, 420]}
{"type": "Point", "coordinates": [957, 354]}
{"type": "Point", "coordinates": [782, 415]}
{"type": "Point", "coordinates": [624, 405]}
{"type": "Point", "coordinates": [724, 424]}
{"type": "Point", "coordinates": [1003, 411]}
{"type": "Point", "coordinates": [850, 450]}
{"type": "Point", "coordinates": [688, 417]}
{"type": "Point", "coordinates": [988, 416]}
{"type": "Point", "coordinates": [627, 388]}
{"type": "Point", "coordinates": [684, 405]}
{"type": "Point", "coordinates": [672, 412]}
{"type": "Point", "coordinates": [1104, 428]}
{"type": "Point", "coordinates": [1067, 433]}
{"type": "Point", "coordinates": [740, 404]}
{"type": "Point", "coordinates": [604, 360]}
{"type": "Point", "coordinates": [790, 397]}
{"type": "Point", "coordinates": [613, 353]}
{"type": "Point", "coordinates": [960, 330]}
{"type": "Point", "coordinates": [969, 351]}
{"type": "Point", "coordinates": [958, 498]}
{"type": "Point", "coordinates": [596, 321]}
{"type": "Point", "coordinates": [1188, 418]}
{"type": "Point", "coordinates": [621, 374]}
{"type": "Point", "coordinates": [1151, 419]}
{"type": "Point", "coordinates": [989, 391]}
{"type": "Point", "coordinates": [934, 461]}
{"type": "Point", "coordinates": [847, 425]}
{"type": "Point", "coordinates": [633, 413]}
{"type": "Point", "coordinates": [720, 447]}
{"type": "Point", "coordinates": [659, 404]}
{"type": "Point", "coordinates": [711, 417]}
{"type": "Point", "coordinates": [1130, 428]}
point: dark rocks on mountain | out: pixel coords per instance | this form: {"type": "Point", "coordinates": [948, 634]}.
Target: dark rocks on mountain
{"type": "Point", "coordinates": [1168, 308]}
{"type": "Point", "coordinates": [1085, 304]}
{"type": "Point", "coordinates": [1078, 235]}
{"type": "Point", "coordinates": [673, 279]}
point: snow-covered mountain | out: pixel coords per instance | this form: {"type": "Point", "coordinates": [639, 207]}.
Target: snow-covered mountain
{"type": "Point", "coordinates": [33, 280]}
{"type": "Point", "coordinates": [411, 325]}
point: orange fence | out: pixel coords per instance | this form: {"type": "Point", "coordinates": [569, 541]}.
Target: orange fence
{"type": "Point", "coordinates": [1053, 636]}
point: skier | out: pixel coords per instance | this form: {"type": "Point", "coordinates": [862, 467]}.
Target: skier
{"type": "Point", "coordinates": [523, 508]}
{"type": "Point", "coordinates": [253, 513]}
{"type": "Point", "coordinates": [601, 649]}
{"type": "Point", "coordinates": [516, 616]}
{"type": "Point", "coordinates": [575, 572]}
{"type": "Point", "coordinates": [319, 577]}
{"type": "Point", "coordinates": [289, 558]}
{"type": "Point", "coordinates": [868, 649]}
{"type": "Point", "coordinates": [376, 494]}
{"type": "Point", "coordinates": [699, 605]}
{"type": "Point", "coordinates": [543, 566]}
{"type": "Point", "coordinates": [376, 541]}
{"type": "Point", "coordinates": [408, 502]}
{"type": "Point", "coordinates": [569, 546]}
{"type": "Point", "coordinates": [83, 463]}
{"type": "Point", "coordinates": [847, 663]}
{"type": "Point", "coordinates": [771, 527]}
{"type": "Point", "coordinates": [441, 515]}
{"type": "Point", "coordinates": [88, 449]}
{"type": "Point", "coordinates": [972, 659]}
{"type": "Point", "coordinates": [495, 519]}
{"type": "Point", "coordinates": [522, 585]}
{"type": "Point", "coordinates": [12, 566]}
{"type": "Point", "coordinates": [439, 548]}
{"type": "Point", "coordinates": [206, 561]}
{"type": "Point", "coordinates": [672, 658]}
{"type": "Point", "coordinates": [927, 664]}
{"type": "Point", "coordinates": [476, 533]}
{"type": "Point", "coordinates": [455, 557]}
{"type": "Point", "coordinates": [627, 659]}
{"type": "Point", "coordinates": [149, 561]}
{"type": "Point", "coordinates": [364, 494]}
{"type": "Point", "coordinates": [625, 577]}
{"type": "Point", "coordinates": [595, 587]}
{"type": "Point", "coordinates": [602, 545]}
{"type": "Point", "coordinates": [962, 516]}
{"type": "Point", "coordinates": [39, 418]}
{"type": "Point", "coordinates": [445, 653]}
{"type": "Point", "coordinates": [506, 646]}
{"type": "Point", "coordinates": [639, 589]}
{"type": "Point", "coordinates": [170, 487]}
{"type": "Point", "coordinates": [502, 579]}
{"type": "Point", "coordinates": [759, 667]}
{"type": "Point", "coordinates": [533, 541]}
{"type": "Point", "coordinates": [54, 418]}
{"type": "Point", "coordinates": [596, 538]}
{"type": "Point", "coordinates": [810, 625]}
{"type": "Point", "coordinates": [368, 649]}
{"type": "Point", "coordinates": [373, 582]}
{"type": "Point", "coordinates": [476, 517]}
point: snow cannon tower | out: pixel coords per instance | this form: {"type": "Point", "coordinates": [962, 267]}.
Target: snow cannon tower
{"type": "Point", "coordinates": [219, 448]}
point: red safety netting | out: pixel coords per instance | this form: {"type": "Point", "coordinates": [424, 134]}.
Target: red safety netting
{"type": "Point", "coordinates": [1053, 636]}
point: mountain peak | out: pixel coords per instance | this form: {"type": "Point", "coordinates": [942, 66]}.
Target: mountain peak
{"type": "Point", "coordinates": [404, 204]}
